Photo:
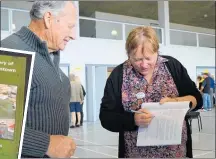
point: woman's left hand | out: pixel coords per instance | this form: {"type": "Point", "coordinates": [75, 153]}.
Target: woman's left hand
{"type": "Point", "coordinates": [167, 99]}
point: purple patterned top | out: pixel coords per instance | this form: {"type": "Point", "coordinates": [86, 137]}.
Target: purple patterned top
{"type": "Point", "coordinates": [162, 86]}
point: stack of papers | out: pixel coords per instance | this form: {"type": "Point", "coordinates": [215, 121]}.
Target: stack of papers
{"type": "Point", "coordinates": [166, 127]}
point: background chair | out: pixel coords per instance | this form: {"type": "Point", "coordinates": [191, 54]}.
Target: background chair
{"type": "Point", "coordinates": [194, 115]}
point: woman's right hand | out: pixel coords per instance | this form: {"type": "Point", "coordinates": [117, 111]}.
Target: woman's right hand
{"type": "Point", "coordinates": [143, 118]}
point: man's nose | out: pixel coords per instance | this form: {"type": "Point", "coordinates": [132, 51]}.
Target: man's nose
{"type": "Point", "coordinates": [72, 34]}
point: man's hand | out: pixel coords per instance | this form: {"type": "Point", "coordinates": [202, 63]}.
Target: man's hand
{"type": "Point", "coordinates": [61, 147]}
{"type": "Point", "coordinates": [143, 118]}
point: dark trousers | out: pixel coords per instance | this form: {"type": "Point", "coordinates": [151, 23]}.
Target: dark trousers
{"type": "Point", "coordinates": [81, 113]}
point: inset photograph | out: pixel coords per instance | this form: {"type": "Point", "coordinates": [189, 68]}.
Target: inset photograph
{"type": "Point", "coordinates": [8, 95]}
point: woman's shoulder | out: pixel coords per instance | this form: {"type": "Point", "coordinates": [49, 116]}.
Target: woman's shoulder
{"type": "Point", "coordinates": [117, 73]}
{"type": "Point", "coordinates": [118, 68]}
{"type": "Point", "coordinates": [170, 59]}
{"type": "Point", "coordinates": [172, 62]}
{"type": "Point", "coordinates": [175, 67]}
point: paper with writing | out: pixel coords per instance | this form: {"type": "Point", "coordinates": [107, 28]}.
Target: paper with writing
{"type": "Point", "coordinates": [166, 127]}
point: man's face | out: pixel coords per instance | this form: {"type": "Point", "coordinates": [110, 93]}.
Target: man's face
{"type": "Point", "coordinates": [62, 28]}
{"type": "Point", "coordinates": [204, 76]}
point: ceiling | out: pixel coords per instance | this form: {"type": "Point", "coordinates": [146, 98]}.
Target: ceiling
{"type": "Point", "coordinates": [181, 12]}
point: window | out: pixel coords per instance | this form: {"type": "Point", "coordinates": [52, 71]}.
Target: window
{"type": "Point", "coordinates": [20, 18]}
{"type": "Point", "coordinates": [100, 29]}
{"type": "Point", "coordinates": [4, 20]}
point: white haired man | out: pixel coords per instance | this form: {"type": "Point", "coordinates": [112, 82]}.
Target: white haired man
{"type": "Point", "coordinates": [52, 26]}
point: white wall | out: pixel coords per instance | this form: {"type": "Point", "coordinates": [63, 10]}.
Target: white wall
{"type": "Point", "coordinates": [191, 57]}
{"type": "Point", "coordinates": [93, 51]}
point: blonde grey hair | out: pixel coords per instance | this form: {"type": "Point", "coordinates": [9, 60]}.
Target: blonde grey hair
{"type": "Point", "coordinates": [77, 79]}
{"type": "Point", "coordinates": [72, 77]}
{"type": "Point", "coordinates": [39, 8]}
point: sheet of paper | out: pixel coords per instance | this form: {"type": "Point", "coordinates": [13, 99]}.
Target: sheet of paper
{"type": "Point", "coordinates": [166, 126]}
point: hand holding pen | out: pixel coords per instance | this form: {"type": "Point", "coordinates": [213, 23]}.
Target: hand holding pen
{"type": "Point", "coordinates": [143, 117]}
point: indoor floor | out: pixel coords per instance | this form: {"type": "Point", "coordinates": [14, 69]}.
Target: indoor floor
{"type": "Point", "coordinates": [93, 141]}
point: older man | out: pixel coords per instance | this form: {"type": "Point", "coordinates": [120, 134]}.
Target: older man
{"type": "Point", "coordinates": [52, 26]}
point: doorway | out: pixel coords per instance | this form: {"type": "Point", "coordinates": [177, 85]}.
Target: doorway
{"type": "Point", "coordinates": [96, 77]}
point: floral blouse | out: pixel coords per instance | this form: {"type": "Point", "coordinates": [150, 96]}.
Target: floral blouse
{"type": "Point", "coordinates": [162, 86]}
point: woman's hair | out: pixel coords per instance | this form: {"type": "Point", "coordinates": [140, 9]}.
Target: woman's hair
{"type": "Point", "coordinates": [77, 79]}
{"type": "Point", "coordinates": [199, 78]}
{"type": "Point", "coordinates": [139, 36]}
{"type": "Point", "coordinates": [72, 77]}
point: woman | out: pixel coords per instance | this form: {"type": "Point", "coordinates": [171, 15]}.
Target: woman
{"type": "Point", "coordinates": [162, 79]}
{"type": "Point", "coordinates": [75, 101]}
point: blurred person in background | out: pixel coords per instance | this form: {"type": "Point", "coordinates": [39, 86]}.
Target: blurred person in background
{"type": "Point", "coordinates": [206, 90]}
{"type": "Point", "coordinates": [82, 114]}
{"type": "Point", "coordinates": [76, 100]}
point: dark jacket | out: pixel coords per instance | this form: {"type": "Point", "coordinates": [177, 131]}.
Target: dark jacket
{"type": "Point", "coordinates": [207, 85]}
{"type": "Point", "coordinates": [115, 119]}
{"type": "Point", "coordinates": [212, 83]}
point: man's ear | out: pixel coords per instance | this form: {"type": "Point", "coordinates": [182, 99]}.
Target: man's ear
{"type": "Point", "coordinates": [47, 19]}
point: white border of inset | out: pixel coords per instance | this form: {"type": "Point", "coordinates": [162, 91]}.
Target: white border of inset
{"type": "Point", "coordinates": [27, 93]}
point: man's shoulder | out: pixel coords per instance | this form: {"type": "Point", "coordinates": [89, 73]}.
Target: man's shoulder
{"type": "Point", "coordinates": [9, 41]}
{"type": "Point", "coordinates": [14, 42]}
{"type": "Point", "coordinates": [209, 78]}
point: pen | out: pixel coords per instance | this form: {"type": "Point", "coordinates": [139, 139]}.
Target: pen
{"type": "Point", "coordinates": [133, 111]}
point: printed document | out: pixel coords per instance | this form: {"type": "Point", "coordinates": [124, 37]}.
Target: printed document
{"type": "Point", "coordinates": [166, 126]}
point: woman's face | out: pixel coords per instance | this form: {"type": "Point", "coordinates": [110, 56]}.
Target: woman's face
{"type": "Point", "coordinates": [144, 60]}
